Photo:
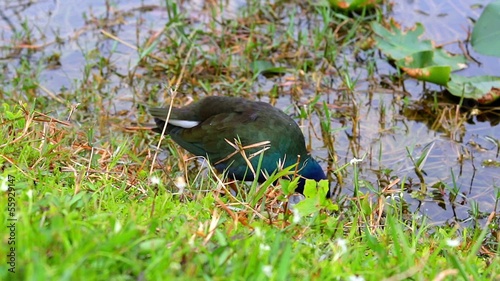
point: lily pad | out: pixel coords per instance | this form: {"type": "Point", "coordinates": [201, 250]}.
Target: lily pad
{"type": "Point", "coordinates": [422, 60]}
{"type": "Point", "coordinates": [422, 66]}
{"type": "Point", "coordinates": [486, 32]}
{"type": "Point", "coordinates": [484, 89]}
{"type": "Point", "coordinates": [354, 5]}
{"type": "Point", "coordinates": [399, 45]}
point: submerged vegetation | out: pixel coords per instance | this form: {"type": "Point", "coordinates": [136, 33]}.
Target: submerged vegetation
{"type": "Point", "coordinates": [89, 192]}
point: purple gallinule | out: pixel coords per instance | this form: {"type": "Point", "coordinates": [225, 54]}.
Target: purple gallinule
{"type": "Point", "coordinates": [206, 127]}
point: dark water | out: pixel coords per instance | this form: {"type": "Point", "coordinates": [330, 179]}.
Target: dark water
{"type": "Point", "coordinates": [446, 23]}
{"type": "Point", "coordinates": [73, 29]}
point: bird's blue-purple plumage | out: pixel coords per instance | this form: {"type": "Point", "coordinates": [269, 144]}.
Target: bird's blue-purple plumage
{"type": "Point", "coordinates": [221, 118]}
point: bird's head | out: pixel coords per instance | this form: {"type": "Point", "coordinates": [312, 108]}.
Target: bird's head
{"type": "Point", "coordinates": [310, 169]}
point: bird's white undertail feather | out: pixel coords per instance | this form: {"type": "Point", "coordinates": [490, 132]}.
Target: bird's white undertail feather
{"type": "Point", "coordinates": [183, 123]}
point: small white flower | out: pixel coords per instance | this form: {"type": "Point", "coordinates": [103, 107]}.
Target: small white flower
{"type": "Point", "coordinates": [296, 216]}
{"type": "Point", "coordinates": [3, 184]}
{"type": "Point", "coordinates": [323, 257]}
{"type": "Point", "coordinates": [257, 232]}
{"type": "Point", "coordinates": [175, 266]}
{"type": "Point", "coordinates": [268, 270]}
{"type": "Point", "coordinates": [356, 278]}
{"type": "Point", "coordinates": [29, 193]}
{"type": "Point", "coordinates": [264, 247]}
{"type": "Point", "coordinates": [453, 242]}
{"type": "Point", "coordinates": [342, 244]}
{"type": "Point", "coordinates": [154, 180]}
{"type": "Point", "coordinates": [355, 161]}
{"type": "Point", "coordinates": [340, 249]}
{"type": "Point", "coordinates": [118, 226]}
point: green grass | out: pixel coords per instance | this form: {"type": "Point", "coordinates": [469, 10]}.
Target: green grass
{"type": "Point", "coordinates": [87, 206]}
{"type": "Point", "coordinates": [108, 225]}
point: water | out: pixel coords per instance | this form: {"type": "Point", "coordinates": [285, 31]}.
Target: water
{"type": "Point", "coordinates": [76, 30]}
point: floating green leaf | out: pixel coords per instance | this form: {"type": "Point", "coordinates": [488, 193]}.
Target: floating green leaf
{"type": "Point", "coordinates": [398, 44]}
{"type": "Point", "coordinates": [401, 45]}
{"type": "Point", "coordinates": [422, 60]}
{"type": "Point", "coordinates": [421, 66]}
{"type": "Point", "coordinates": [354, 5]}
{"type": "Point", "coordinates": [484, 89]}
{"type": "Point", "coordinates": [486, 32]}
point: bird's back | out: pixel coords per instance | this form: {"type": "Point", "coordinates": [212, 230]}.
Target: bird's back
{"type": "Point", "coordinates": [225, 118]}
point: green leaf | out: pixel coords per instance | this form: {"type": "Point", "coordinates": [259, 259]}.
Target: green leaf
{"type": "Point", "coordinates": [426, 151]}
{"type": "Point", "coordinates": [366, 206]}
{"type": "Point", "coordinates": [398, 44]}
{"type": "Point", "coordinates": [410, 51]}
{"type": "Point", "coordinates": [266, 68]}
{"type": "Point", "coordinates": [307, 206]}
{"type": "Point", "coordinates": [422, 66]}
{"type": "Point", "coordinates": [323, 187]}
{"type": "Point", "coordinates": [11, 113]}
{"type": "Point", "coordinates": [484, 89]}
{"type": "Point", "coordinates": [315, 193]}
{"type": "Point", "coordinates": [444, 58]}
{"type": "Point", "coordinates": [289, 186]}
{"type": "Point", "coordinates": [310, 190]}
{"type": "Point", "coordinates": [486, 32]}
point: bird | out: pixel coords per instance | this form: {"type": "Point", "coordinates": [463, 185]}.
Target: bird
{"type": "Point", "coordinates": [216, 126]}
